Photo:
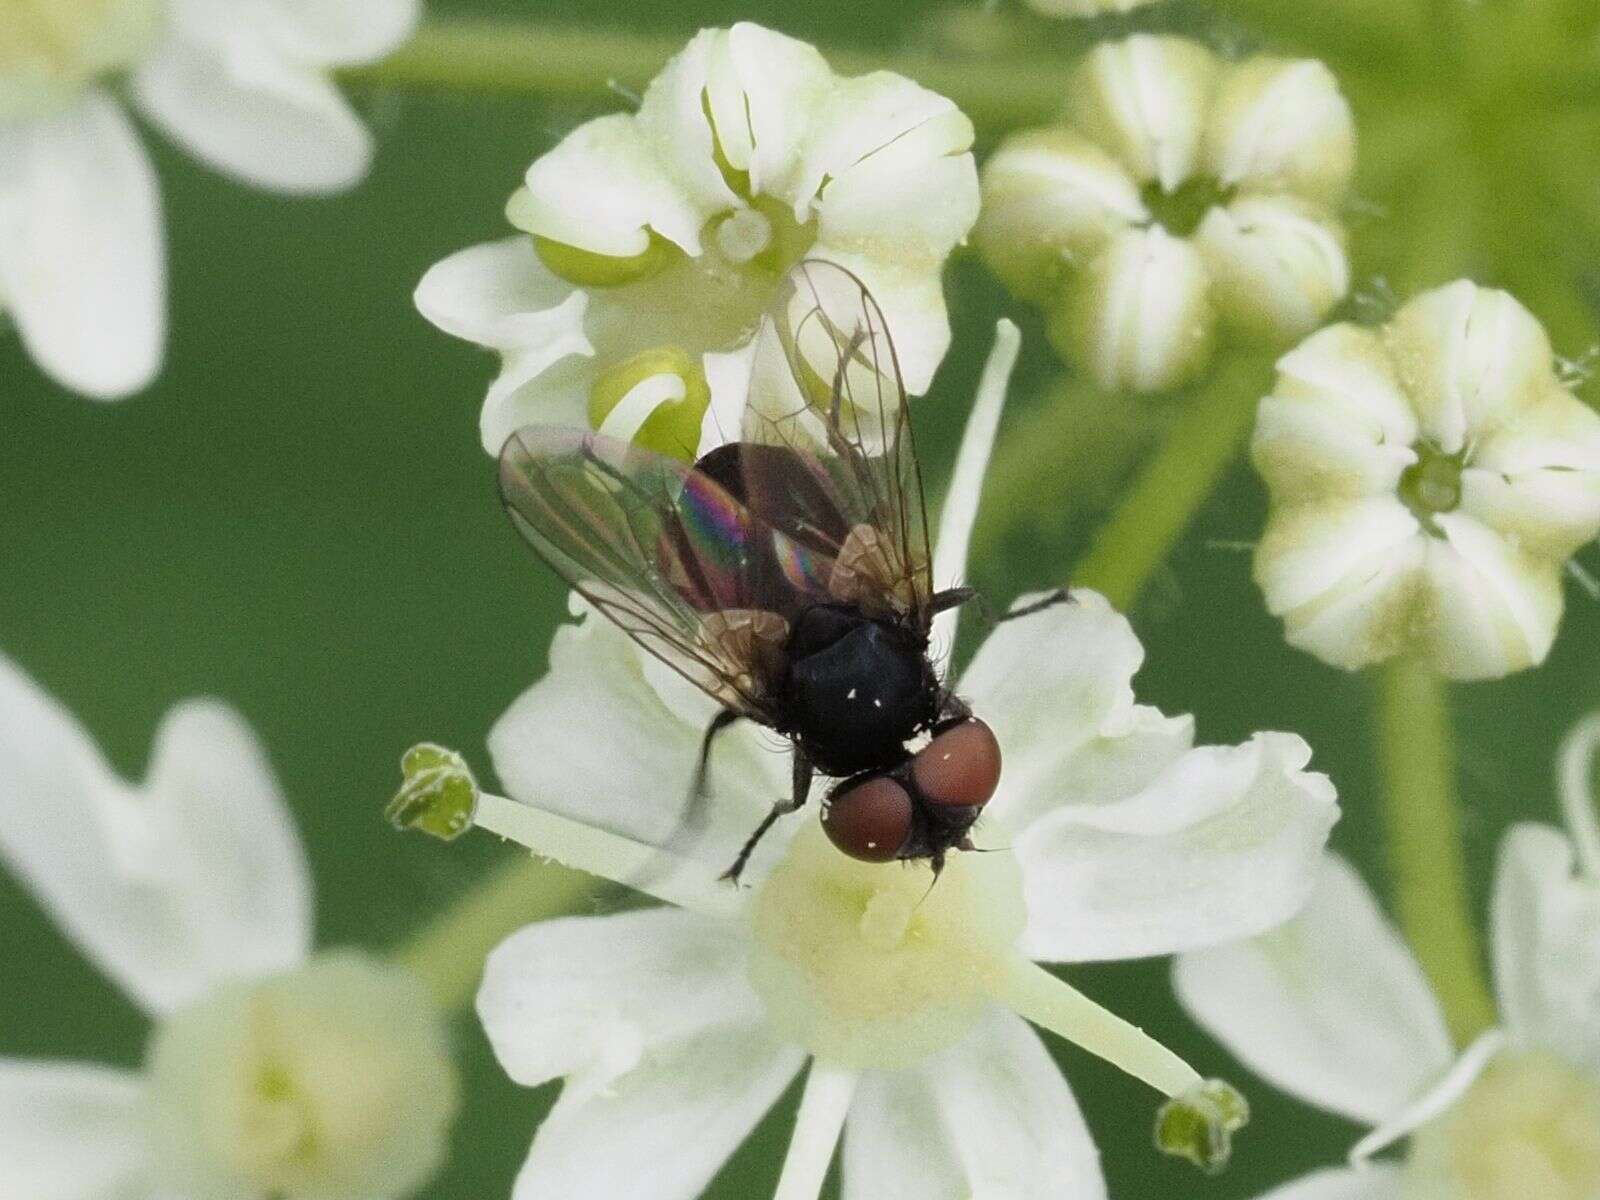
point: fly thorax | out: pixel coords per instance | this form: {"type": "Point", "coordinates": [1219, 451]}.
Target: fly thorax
{"type": "Point", "coordinates": [879, 965]}
{"type": "Point", "coordinates": [50, 50]}
{"type": "Point", "coordinates": [332, 1082]}
{"type": "Point", "coordinates": [1529, 1127]}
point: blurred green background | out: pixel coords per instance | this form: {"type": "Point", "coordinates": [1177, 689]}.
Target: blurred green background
{"type": "Point", "coordinates": [298, 518]}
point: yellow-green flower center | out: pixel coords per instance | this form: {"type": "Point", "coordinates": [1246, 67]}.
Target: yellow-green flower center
{"type": "Point", "coordinates": [51, 49]}
{"type": "Point", "coordinates": [1432, 484]}
{"type": "Point", "coordinates": [880, 965]}
{"type": "Point", "coordinates": [1528, 1129]}
{"type": "Point", "coordinates": [333, 1082]}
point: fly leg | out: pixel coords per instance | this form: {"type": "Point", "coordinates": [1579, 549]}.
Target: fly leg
{"type": "Point", "coordinates": [796, 801]}
{"type": "Point", "coordinates": [1059, 596]}
{"type": "Point", "coordinates": [702, 767]}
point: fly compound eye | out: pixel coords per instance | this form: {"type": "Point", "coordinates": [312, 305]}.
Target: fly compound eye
{"type": "Point", "coordinates": [960, 767]}
{"type": "Point", "coordinates": [869, 820]}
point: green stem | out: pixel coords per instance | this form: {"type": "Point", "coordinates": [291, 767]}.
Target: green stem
{"type": "Point", "coordinates": [449, 952]}
{"type": "Point", "coordinates": [574, 62]}
{"type": "Point", "coordinates": [1423, 827]}
{"type": "Point", "coordinates": [1197, 451]}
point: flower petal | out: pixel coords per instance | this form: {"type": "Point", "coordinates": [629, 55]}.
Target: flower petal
{"type": "Point", "coordinates": [591, 998]}
{"type": "Point", "coordinates": [1223, 845]}
{"type": "Point", "coordinates": [1537, 479]}
{"type": "Point", "coordinates": [194, 878]}
{"type": "Point", "coordinates": [662, 1131]}
{"type": "Point", "coordinates": [1470, 358]}
{"type": "Point", "coordinates": [338, 34]}
{"type": "Point", "coordinates": [1140, 316]}
{"type": "Point", "coordinates": [501, 296]}
{"type": "Point", "coordinates": [242, 107]}
{"type": "Point", "coordinates": [1144, 99]}
{"type": "Point", "coordinates": [1331, 1007]}
{"type": "Point", "coordinates": [82, 266]}
{"type": "Point", "coordinates": [70, 1131]}
{"type": "Point", "coordinates": [765, 90]}
{"type": "Point", "coordinates": [1494, 608]}
{"type": "Point", "coordinates": [1282, 125]}
{"type": "Point", "coordinates": [991, 1116]}
{"type": "Point", "coordinates": [1376, 1182]}
{"type": "Point", "coordinates": [1277, 264]}
{"type": "Point", "coordinates": [1049, 686]}
{"type": "Point", "coordinates": [911, 296]}
{"type": "Point", "coordinates": [1052, 199]}
{"type": "Point", "coordinates": [1309, 551]}
{"type": "Point", "coordinates": [595, 740]}
{"type": "Point", "coordinates": [1546, 922]}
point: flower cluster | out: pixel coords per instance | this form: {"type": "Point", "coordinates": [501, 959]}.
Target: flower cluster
{"type": "Point", "coordinates": [1182, 192]}
{"type": "Point", "coordinates": [1333, 1009]}
{"type": "Point", "coordinates": [272, 1072]}
{"type": "Point", "coordinates": [1429, 481]}
{"type": "Point", "coordinates": [651, 243]}
{"type": "Point", "coordinates": [245, 88]}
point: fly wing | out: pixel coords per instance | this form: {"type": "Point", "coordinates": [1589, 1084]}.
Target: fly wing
{"type": "Point", "coordinates": [844, 483]}
{"type": "Point", "coordinates": [659, 548]}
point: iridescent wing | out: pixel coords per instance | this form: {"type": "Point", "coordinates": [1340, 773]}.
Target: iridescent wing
{"type": "Point", "coordinates": [661, 549]}
{"type": "Point", "coordinates": [840, 477]}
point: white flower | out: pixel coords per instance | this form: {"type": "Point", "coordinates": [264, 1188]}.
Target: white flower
{"type": "Point", "coordinates": [1182, 191]}
{"type": "Point", "coordinates": [270, 1072]}
{"type": "Point", "coordinates": [676, 1028]}
{"type": "Point", "coordinates": [244, 85]}
{"type": "Point", "coordinates": [1428, 482]}
{"type": "Point", "coordinates": [1333, 1009]}
{"type": "Point", "coordinates": [652, 242]}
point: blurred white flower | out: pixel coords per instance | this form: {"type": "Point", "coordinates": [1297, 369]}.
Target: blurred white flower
{"type": "Point", "coordinates": [1333, 1009]}
{"type": "Point", "coordinates": [1183, 191]}
{"type": "Point", "coordinates": [1428, 481]}
{"type": "Point", "coordinates": [271, 1072]}
{"type": "Point", "coordinates": [1084, 8]}
{"type": "Point", "coordinates": [676, 1028]}
{"type": "Point", "coordinates": [652, 242]}
{"type": "Point", "coordinates": [244, 85]}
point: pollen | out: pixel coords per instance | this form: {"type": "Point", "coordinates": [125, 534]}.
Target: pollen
{"type": "Point", "coordinates": [880, 964]}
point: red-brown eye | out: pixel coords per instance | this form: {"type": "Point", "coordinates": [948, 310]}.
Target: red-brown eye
{"type": "Point", "coordinates": [870, 820]}
{"type": "Point", "coordinates": [960, 767]}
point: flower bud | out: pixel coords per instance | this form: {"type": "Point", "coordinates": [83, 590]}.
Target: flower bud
{"type": "Point", "coordinates": [1277, 265]}
{"type": "Point", "coordinates": [1282, 125]}
{"type": "Point", "coordinates": [1140, 319]}
{"type": "Point", "coordinates": [1052, 199]}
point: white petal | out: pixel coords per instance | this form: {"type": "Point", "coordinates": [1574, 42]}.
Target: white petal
{"type": "Point", "coordinates": [1435, 1101]}
{"type": "Point", "coordinates": [662, 1131]}
{"type": "Point", "coordinates": [1494, 608]}
{"type": "Point", "coordinates": [1537, 479]}
{"type": "Point", "coordinates": [1144, 99]}
{"type": "Point", "coordinates": [767, 94]}
{"type": "Point", "coordinates": [1308, 452]}
{"type": "Point", "coordinates": [194, 878]}
{"type": "Point", "coordinates": [1345, 370]}
{"type": "Point", "coordinates": [1376, 1182]}
{"type": "Point", "coordinates": [595, 741]}
{"type": "Point", "coordinates": [1331, 1007]}
{"type": "Point", "coordinates": [244, 109]}
{"type": "Point", "coordinates": [82, 260]}
{"type": "Point", "coordinates": [336, 32]}
{"type": "Point", "coordinates": [1546, 924]}
{"type": "Point", "coordinates": [1470, 358]}
{"type": "Point", "coordinates": [1282, 125]}
{"type": "Point", "coordinates": [1311, 551]}
{"type": "Point", "coordinates": [603, 189]}
{"type": "Point", "coordinates": [911, 295]}
{"type": "Point", "coordinates": [501, 296]}
{"type": "Point", "coordinates": [70, 1131]}
{"type": "Point", "coordinates": [1223, 845]}
{"type": "Point", "coordinates": [886, 116]}
{"type": "Point", "coordinates": [992, 1117]}
{"type": "Point", "coordinates": [1140, 318]}
{"type": "Point", "coordinates": [1277, 264]}
{"type": "Point", "coordinates": [1051, 201]}
{"type": "Point", "coordinates": [1049, 686]}
{"type": "Point", "coordinates": [591, 998]}
{"type": "Point", "coordinates": [673, 128]}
